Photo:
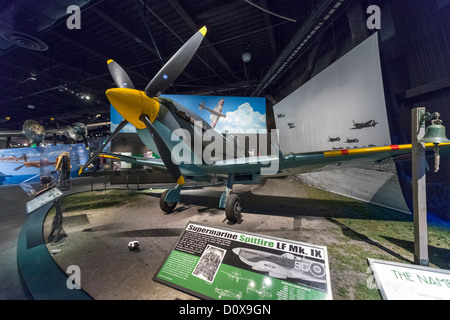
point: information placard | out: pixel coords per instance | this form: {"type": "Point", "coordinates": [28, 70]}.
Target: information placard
{"type": "Point", "coordinates": [399, 281]}
{"type": "Point", "coordinates": [213, 263]}
{"type": "Point", "coordinates": [43, 199]}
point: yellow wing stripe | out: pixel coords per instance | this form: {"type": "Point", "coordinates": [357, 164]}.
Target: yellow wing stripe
{"type": "Point", "coordinates": [107, 156]}
{"type": "Point", "coordinates": [345, 152]}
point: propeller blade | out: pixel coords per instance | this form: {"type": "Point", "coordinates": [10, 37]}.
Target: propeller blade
{"type": "Point", "coordinates": [119, 127]}
{"type": "Point", "coordinates": [175, 66]}
{"type": "Point", "coordinates": [164, 151]}
{"type": "Point", "coordinates": [119, 75]}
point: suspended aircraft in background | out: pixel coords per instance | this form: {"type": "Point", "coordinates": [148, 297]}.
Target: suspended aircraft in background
{"type": "Point", "coordinates": [367, 124]}
{"type": "Point", "coordinates": [158, 121]}
{"type": "Point", "coordinates": [216, 113]}
{"type": "Point", "coordinates": [36, 133]}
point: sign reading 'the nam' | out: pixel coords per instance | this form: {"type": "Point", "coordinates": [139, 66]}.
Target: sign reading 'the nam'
{"type": "Point", "coordinates": [398, 281]}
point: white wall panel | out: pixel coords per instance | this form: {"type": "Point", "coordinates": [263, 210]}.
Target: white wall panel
{"type": "Point", "coordinates": [350, 89]}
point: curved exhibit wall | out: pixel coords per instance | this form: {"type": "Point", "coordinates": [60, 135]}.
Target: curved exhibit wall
{"type": "Point", "coordinates": [44, 279]}
{"type": "Point", "coordinates": [343, 107]}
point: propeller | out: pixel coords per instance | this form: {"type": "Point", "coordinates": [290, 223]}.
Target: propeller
{"type": "Point", "coordinates": [95, 155]}
{"type": "Point", "coordinates": [139, 109]}
{"type": "Point", "coordinates": [121, 78]}
{"type": "Point", "coordinates": [175, 66]}
{"type": "Point", "coordinates": [164, 151]}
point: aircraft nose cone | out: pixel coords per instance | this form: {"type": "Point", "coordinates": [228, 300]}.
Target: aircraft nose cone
{"type": "Point", "coordinates": [237, 250]}
{"type": "Point", "coordinates": [128, 102]}
{"type": "Point", "coordinates": [121, 97]}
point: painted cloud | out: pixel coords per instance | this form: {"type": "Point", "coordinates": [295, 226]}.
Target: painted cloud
{"type": "Point", "coordinates": [242, 120]}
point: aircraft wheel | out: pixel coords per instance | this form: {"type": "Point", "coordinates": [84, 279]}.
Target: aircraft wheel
{"type": "Point", "coordinates": [167, 207]}
{"type": "Point", "coordinates": [233, 209]}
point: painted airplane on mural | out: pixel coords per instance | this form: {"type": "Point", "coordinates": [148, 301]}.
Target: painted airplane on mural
{"type": "Point", "coordinates": [361, 125]}
{"type": "Point", "coordinates": [216, 113]}
{"type": "Point", "coordinates": [162, 125]}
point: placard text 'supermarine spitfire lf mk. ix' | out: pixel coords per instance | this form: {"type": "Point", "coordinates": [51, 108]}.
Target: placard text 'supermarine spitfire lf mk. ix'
{"type": "Point", "coordinates": [163, 126]}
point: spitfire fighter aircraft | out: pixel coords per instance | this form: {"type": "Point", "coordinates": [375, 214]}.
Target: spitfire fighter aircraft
{"type": "Point", "coordinates": [216, 113]}
{"type": "Point", "coordinates": [168, 129]}
{"type": "Point", "coordinates": [282, 266]}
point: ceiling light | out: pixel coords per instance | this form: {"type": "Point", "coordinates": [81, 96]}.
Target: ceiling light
{"type": "Point", "coordinates": [338, 4]}
{"type": "Point", "coordinates": [246, 57]}
{"type": "Point", "coordinates": [30, 106]}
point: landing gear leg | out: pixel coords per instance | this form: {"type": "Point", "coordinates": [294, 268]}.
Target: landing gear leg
{"type": "Point", "coordinates": [169, 199]}
{"type": "Point", "coordinates": [231, 202]}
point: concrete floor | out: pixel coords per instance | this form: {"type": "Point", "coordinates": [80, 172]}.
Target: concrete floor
{"type": "Point", "coordinates": [97, 240]}
{"type": "Point", "coordinates": [109, 269]}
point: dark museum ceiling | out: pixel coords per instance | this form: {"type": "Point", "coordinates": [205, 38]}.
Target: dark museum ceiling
{"type": "Point", "coordinates": [141, 35]}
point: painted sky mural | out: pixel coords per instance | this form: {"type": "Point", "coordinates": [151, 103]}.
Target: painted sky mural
{"type": "Point", "coordinates": [225, 114]}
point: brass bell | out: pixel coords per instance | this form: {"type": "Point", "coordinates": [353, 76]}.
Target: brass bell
{"type": "Point", "coordinates": [435, 133]}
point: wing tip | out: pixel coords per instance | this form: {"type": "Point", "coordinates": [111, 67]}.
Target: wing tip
{"type": "Point", "coordinates": [203, 30]}
{"type": "Point", "coordinates": [109, 61]}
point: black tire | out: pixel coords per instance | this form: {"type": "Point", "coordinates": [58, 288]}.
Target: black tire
{"type": "Point", "coordinates": [167, 207]}
{"type": "Point", "coordinates": [233, 209]}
